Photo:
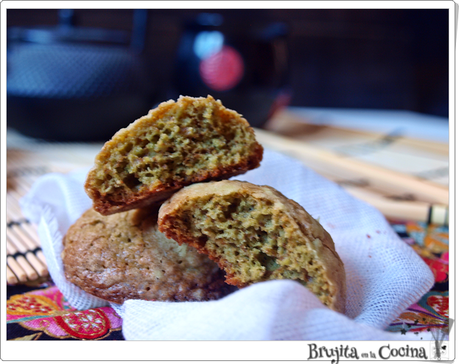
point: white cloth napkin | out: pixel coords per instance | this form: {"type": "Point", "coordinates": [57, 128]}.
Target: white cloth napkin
{"type": "Point", "coordinates": [383, 274]}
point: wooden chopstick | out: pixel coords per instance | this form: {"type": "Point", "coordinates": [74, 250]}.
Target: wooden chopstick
{"type": "Point", "coordinates": [403, 210]}
{"type": "Point", "coordinates": [383, 180]}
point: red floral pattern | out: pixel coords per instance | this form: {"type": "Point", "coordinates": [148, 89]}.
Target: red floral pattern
{"type": "Point", "coordinates": [47, 311]}
{"type": "Point", "coordinates": [440, 304]}
{"type": "Point", "coordinates": [87, 324]}
{"type": "Point", "coordinates": [439, 268]}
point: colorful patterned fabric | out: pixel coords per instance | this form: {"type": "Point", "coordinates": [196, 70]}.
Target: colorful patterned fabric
{"type": "Point", "coordinates": [432, 311]}
{"type": "Point", "coordinates": [44, 314]}
{"type": "Point", "coordinates": [40, 312]}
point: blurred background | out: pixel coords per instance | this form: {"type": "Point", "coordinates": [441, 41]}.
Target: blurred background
{"type": "Point", "coordinates": [82, 74]}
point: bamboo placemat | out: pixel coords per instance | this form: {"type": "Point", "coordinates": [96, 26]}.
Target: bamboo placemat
{"type": "Point", "coordinates": [424, 159]}
{"type": "Point", "coordinates": [26, 161]}
{"type": "Point", "coordinates": [405, 178]}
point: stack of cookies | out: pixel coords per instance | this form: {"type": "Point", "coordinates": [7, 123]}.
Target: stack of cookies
{"type": "Point", "coordinates": [168, 225]}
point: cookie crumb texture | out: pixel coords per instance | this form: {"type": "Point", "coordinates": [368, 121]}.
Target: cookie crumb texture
{"type": "Point", "coordinates": [175, 145]}
{"type": "Point", "coordinates": [124, 256]}
{"type": "Point", "coordinates": [256, 234]}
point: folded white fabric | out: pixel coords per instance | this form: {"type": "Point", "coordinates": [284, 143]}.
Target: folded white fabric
{"type": "Point", "coordinates": [384, 275]}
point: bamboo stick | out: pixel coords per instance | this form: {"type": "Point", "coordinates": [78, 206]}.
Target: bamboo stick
{"type": "Point", "coordinates": [13, 211]}
{"type": "Point", "coordinates": [10, 250]}
{"type": "Point", "coordinates": [26, 246]}
{"type": "Point", "coordinates": [23, 237]}
{"type": "Point", "coordinates": [42, 258]}
{"type": "Point", "coordinates": [37, 264]}
{"type": "Point", "coordinates": [14, 214]}
{"type": "Point", "coordinates": [15, 246]}
{"type": "Point", "coordinates": [10, 276]}
{"type": "Point", "coordinates": [25, 265]}
{"type": "Point", "coordinates": [26, 230]}
{"type": "Point", "coordinates": [17, 269]}
{"type": "Point", "coordinates": [31, 231]}
{"type": "Point", "coordinates": [13, 197]}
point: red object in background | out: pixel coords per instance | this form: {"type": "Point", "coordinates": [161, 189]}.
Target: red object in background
{"type": "Point", "coordinates": [247, 69]}
{"type": "Point", "coordinates": [222, 70]}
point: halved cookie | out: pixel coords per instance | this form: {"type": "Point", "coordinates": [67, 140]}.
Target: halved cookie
{"type": "Point", "coordinates": [124, 256]}
{"type": "Point", "coordinates": [175, 145]}
{"type": "Point", "coordinates": [256, 234]}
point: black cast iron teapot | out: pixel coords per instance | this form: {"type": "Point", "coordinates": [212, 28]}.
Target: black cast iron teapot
{"type": "Point", "coordinates": [68, 83]}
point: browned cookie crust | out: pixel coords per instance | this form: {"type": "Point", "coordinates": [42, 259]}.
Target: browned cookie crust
{"type": "Point", "coordinates": [124, 256]}
{"type": "Point", "coordinates": [256, 234]}
{"type": "Point", "coordinates": [175, 145]}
